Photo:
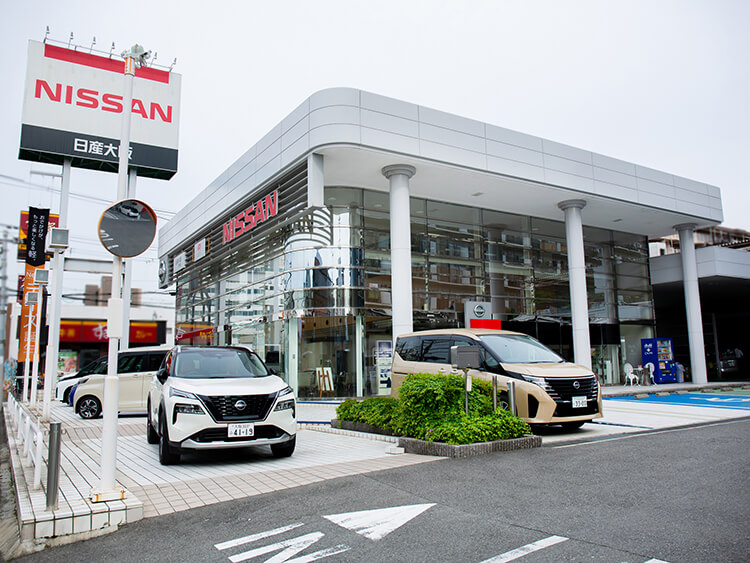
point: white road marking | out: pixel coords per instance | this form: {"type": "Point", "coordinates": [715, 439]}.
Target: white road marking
{"type": "Point", "coordinates": [526, 549]}
{"type": "Point", "coordinates": [378, 523]}
{"type": "Point", "coordinates": [290, 548]}
{"type": "Point", "coordinates": [255, 537]}
{"type": "Point", "coordinates": [655, 561]}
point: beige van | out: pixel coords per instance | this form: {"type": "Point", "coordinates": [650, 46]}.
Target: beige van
{"type": "Point", "coordinates": [549, 390]}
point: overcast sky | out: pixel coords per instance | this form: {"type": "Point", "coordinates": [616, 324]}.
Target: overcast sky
{"type": "Point", "coordinates": [664, 84]}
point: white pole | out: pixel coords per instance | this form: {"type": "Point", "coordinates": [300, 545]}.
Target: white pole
{"type": "Point", "coordinates": [114, 324]}
{"type": "Point", "coordinates": [37, 345]}
{"type": "Point", "coordinates": [128, 264]}
{"type": "Point", "coordinates": [27, 361]}
{"type": "Point", "coordinates": [55, 313]}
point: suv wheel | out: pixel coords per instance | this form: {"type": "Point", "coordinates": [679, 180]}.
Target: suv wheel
{"type": "Point", "coordinates": [152, 437]}
{"type": "Point", "coordinates": [284, 450]}
{"type": "Point", "coordinates": [89, 407]}
{"type": "Point", "coordinates": [168, 455]}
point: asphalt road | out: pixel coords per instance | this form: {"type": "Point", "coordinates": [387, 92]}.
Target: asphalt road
{"type": "Point", "coordinates": [671, 495]}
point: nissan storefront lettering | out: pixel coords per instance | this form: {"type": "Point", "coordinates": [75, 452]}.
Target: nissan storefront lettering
{"type": "Point", "coordinates": [248, 219]}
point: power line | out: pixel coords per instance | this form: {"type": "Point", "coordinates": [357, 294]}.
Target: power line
{"type": "Point", "coordinates": [161, 213]}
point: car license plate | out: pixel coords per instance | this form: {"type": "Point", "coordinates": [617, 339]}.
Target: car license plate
{"type": "Point", "coordinates": [579, 402]}
{"type": "Point", "coordinates": [242, 430]}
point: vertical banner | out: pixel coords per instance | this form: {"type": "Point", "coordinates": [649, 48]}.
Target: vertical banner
{"type": "Point", "coordinates": [35, 257]}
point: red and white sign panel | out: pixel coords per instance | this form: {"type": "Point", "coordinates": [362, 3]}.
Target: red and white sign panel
{"type": "Point", "coordinates": [73, 108]}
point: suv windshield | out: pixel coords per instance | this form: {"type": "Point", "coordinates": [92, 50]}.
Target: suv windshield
{"type": "Point", "coordinates": [519, 349]}
{"type": "Point", "coordinates": [206, 363]}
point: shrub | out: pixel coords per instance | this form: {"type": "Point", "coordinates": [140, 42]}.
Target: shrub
{"type": "Point", "coordinates": [377, 411]}
{"type": "Point", "coordinates": [500, 425]}
{"type": "Point", "coordinates": [431, 407]}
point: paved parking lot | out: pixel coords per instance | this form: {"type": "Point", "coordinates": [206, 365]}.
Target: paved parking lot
{"type": "Point", "coordinates": [322, 453]}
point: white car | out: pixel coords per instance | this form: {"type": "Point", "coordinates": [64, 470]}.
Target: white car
{"type": "Point", "coordinates": [135, 369]}
{"type": "Point", "coordinates": [219, 397]}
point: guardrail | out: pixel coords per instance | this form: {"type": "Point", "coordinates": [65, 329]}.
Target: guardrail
{"type": "Point", "coordinates": [29, 433]}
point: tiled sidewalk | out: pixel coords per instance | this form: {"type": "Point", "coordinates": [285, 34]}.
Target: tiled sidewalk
{"type": "Point", "coordinates": [201, 479]}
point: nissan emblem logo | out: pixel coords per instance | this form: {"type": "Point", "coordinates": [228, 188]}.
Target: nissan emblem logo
{"type": "Point", "coordinates": [241, 405]}
{"type": "Point", "coordinates": [479, 310]}
{"type": "Point", "coordinates": [576, 385]}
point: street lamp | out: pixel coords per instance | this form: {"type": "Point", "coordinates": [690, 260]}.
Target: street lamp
{"type": "Point", "coordinates": [57, 241]}
{"type": "Point", "coordinates": [32, 300]}
{"type": "Point", "coordinates": [41, 279]}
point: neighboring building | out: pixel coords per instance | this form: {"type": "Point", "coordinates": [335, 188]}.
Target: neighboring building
{"type": "Point", "coordinates": [361, 217]}
{"type": "Point", "coordinates": [83, 328]}
{"type": "Point", "coordinates": [708, 236]}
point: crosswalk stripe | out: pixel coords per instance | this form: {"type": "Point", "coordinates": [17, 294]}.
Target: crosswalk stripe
{"type": "Point", "coordinates": [525, 550]}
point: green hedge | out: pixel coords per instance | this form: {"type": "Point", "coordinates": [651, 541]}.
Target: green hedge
{"type": "Point", "coordinates": [431, 407]}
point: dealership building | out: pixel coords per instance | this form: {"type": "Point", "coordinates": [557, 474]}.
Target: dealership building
{"type": "Point", "coordinates": [361, 217]}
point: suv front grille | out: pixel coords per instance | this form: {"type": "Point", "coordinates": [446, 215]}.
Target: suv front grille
{"type": "Point", "coordinates": [225, 408]}
{"type": "Point", "coordinates": [562, 390]}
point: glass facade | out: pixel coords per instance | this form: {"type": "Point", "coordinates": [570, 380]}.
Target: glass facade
{"type": "Point", "coordinates": [312, 293]}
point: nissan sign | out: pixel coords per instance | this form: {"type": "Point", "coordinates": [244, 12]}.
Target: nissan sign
{"type": "Point", "coordinates": [73, 108]}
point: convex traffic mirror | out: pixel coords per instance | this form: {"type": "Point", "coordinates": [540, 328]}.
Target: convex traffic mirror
{"type": "Point", "coordinates": [127, 228]}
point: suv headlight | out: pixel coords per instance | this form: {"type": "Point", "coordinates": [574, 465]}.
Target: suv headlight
{"type": "Point", "coordinates": [179, 393]}
{"type": "Point", "coordinates": [285, 400]}
{"type": "Point", "coordinates": [540, 381]}
{"type": "Point", "coordinates": [184, 408]}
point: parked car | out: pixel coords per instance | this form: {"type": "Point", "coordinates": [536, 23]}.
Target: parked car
{"type": "Point", "coordinates": [66, 383]}
{"type": "Point", "coordinates": [549, 390]}
{"type": "Point", "coordinates": [219, 397]}
{"type": "Point", "coordinates": [135, 368]}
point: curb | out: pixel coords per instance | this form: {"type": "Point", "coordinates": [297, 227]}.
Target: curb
{"type": "Point", "coordinates": [422, 447]}
{"type": "Point", "coordinates": [414, 446]}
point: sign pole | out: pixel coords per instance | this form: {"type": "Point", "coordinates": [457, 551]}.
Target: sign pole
{"type": "Point", "coordinates": [55, 313]}
{"type": "Point", "coordinates": [26, 363]}
{"type": "Point", "coordinates": [128, 278]}
{"type": "Point", "coordinates": [108, 489]}
{"type": "Point", "coordinates": [37, 345]}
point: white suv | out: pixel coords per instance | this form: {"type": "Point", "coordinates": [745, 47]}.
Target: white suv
{"type": "Point", "coordinates": [218, 397]}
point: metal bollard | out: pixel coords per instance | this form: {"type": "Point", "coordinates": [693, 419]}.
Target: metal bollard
{"type": "Point", "coordinates": [53, 465]}
{"type": "Point", "coordinates": [512, 397]}
{"type": "Point", "coordinates": [494, 392]}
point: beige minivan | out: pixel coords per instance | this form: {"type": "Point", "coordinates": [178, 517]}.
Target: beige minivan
{"type": "Point", "coordinates": [549, 390]}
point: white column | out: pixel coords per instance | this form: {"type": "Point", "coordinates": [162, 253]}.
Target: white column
{"type": "Point", "coordinates": [579, 306]}
{"type": "Point", "coordinates": [692, 303]}
{"type": "Point", "coordinates": [401, 294]}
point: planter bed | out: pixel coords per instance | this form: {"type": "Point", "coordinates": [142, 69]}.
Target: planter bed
{"type": "Point", "coordinates": [422, 447]}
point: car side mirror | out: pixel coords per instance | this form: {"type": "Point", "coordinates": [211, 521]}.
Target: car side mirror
{"type": "Point", "coordinates": [162, 374]}
{"type": "Point", "coordinates": [273, 371]}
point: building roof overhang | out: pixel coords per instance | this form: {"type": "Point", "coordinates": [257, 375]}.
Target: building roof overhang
{"type": "Point", "coordinates": [458, 160]}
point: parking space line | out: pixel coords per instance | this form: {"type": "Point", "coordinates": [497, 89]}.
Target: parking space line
{"type": "Point", "coordinates": [526, 549]}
